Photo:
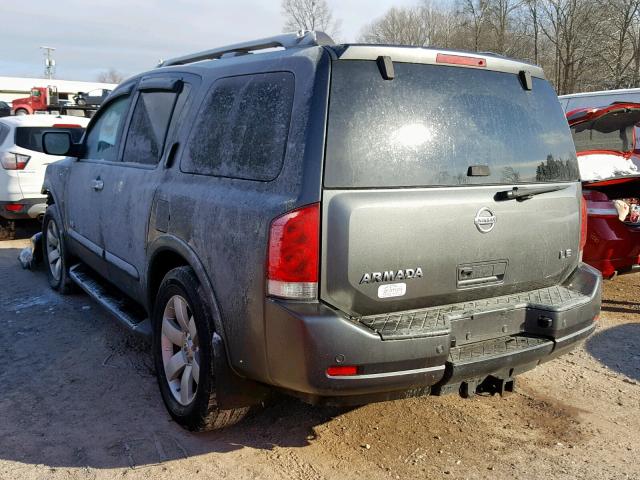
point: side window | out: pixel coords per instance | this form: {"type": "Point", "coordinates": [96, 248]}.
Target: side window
{"type": "Point", "coordinates": [242, 127]}
{"type": "Point", "coordinates": [4, 131]}
{"type": "Point", "coordinates": [148, 127]}
{"type": "Point", "coordinates": [103, 138]}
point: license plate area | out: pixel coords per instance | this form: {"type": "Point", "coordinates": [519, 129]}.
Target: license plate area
{"type": "Point", "coordinates": [487, 325]}
{"type": "Point", "coordinates": [480, 274]}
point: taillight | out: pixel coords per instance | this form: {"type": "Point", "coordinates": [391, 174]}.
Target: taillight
{"type": "Point", "coordinates": [583, 224]}
{"type": "Point", "coordinates": [14, 161]}
{"type": "Point", "coordinates": [293, 254]}
{"type": "Point", "coordinates": [13, 207]}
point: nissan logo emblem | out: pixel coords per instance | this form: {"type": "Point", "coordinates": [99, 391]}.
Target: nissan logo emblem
{"type": "Point", "coordinates": [485, 220]}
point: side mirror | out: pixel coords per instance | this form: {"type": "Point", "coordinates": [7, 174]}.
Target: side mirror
{"type": "Point", "coordinates": [59, 144]}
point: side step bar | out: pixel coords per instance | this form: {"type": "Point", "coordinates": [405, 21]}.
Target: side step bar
{"type": "Point", "coordinates": [123, 309]}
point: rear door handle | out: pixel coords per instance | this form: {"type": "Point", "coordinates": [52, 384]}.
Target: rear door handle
{"type": "Point", "coordinates": [97, 184]}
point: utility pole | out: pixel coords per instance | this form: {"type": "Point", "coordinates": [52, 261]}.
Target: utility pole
{"type": "Point", "coordinates": [49, 62]}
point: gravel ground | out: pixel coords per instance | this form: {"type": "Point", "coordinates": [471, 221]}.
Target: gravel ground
{"type": "Point", "coordinates": [80, 401]}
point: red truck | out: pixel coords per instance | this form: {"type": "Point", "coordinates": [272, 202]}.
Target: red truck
{"type": "Point", "coordinates": [45, 99]}
{"type": "Point", "coordinates": [41, 99]}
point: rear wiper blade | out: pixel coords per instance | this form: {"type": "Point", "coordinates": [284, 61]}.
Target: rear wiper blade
{"type": "Point", "coordinates": [519, 193]}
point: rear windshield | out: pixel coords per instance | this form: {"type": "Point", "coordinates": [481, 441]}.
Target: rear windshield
{"type": "Point", "coordinates": [31, 137]}
{"type": "Point", "coordinates": [589, 137]}
{"type": "Point", "coordinates": [431, 123]}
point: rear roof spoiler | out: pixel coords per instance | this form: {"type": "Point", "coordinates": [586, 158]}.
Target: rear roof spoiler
{"type": "Point", "coordinates": [301, 38]}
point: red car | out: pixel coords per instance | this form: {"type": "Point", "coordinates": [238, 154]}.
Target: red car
{"type": "Point", "coordinates": [610, 173]}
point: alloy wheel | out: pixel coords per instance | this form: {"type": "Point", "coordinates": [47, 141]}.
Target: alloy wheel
{"type": "Point", "coordinates": [180, 350]}
{"type": "Point", "coordinates": [54, 253]}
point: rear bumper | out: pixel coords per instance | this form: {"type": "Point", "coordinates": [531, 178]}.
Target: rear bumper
{"type": "Point", "coordinates": [303, 340]}
{"type": "Point", "coordinates": [30, 208]}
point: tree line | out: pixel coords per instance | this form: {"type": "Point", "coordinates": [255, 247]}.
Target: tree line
{"type": "Point", "coordinates": [582, 45]}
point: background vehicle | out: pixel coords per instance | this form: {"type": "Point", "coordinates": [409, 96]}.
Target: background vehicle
{"type": "Point", "coordinates": [576, 101]}
{"type": "Point", "coordinates": [23, 165]}
{"type": "Point", "coordinates": [94, 97]}
{"type": "Point", "coordinates": [345, 223]}
{"type": "Point", "coordinates": [45, 100]}
{"type": "Point", "coordinates": [610, 171]}
{"type": "Point", "coordinates": [5, 109]}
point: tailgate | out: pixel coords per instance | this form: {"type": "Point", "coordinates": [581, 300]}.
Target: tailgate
{"type": "Point", "coordinates": [392, 250]}
{"type": "Point", "coordinates": [417, 168]}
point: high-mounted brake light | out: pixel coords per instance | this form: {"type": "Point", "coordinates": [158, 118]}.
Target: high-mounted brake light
{"type": "Point", "coordinates": [583, 224]}
{"type": "Point", "coordinates": [13, 161]}
{"type": "Point", "coordinates": [66, 125]}
{"type": "Point", "coordinates": [461, 60]}
{"type": "Point", "coordinates": [293, 254]}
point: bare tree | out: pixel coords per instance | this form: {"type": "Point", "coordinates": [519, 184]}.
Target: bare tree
{"type": "Point", "coordinates": [399, 26]}
{"type": "Point", "coordinates": [309, 15]}
{"type": "Point", "coordinates": [499, 16]}
{"type": "Point", "coordinates": [581, 44]}
{"type": "Point", "coordinates": [620, 17]}
{"type": "Point", "coordinates": [420, 25]}
{"type": "Point", "coordinates": [534, 18]}
{"type": "Point", "coordinates": [477, 12]}
{"type": "Point", "coordinates": [573, 27]}
{"type": "Point", "coordinates": [110, 76]}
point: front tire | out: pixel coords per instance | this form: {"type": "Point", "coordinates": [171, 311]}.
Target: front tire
{"type": "Point", "coordinates": [82, 102]}
{"type": "Point", "coordinates": [21, 111]}
{"type": "Point", "coordinates": [183, 354]}
{"type": "Point", "coordinates": [54, 254]}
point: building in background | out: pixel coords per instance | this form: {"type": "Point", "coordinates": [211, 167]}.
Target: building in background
{"type": "Point", "coordinates": [16, 87]}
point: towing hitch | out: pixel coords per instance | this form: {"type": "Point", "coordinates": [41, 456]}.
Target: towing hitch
{"type": "Point", "coordinates": [489, 386]}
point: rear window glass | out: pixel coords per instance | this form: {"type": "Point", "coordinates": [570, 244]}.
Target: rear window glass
{"type": "Point", "coordinates": [31, 137]}
{"type": "Point", "coordinates": [431, 123]}
{"type": "Point", "coordinates": [589, 137]}
{"type": "Point", "coordinates": [242, 128]}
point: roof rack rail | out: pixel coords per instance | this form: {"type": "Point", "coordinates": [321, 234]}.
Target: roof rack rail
{"type": "Point", "coordinates": [301, 38]}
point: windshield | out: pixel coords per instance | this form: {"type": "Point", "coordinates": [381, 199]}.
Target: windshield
{"type": "Point", "coordinates": [31, 137]}
{"type": "Point", "coordinates": [432, 122]}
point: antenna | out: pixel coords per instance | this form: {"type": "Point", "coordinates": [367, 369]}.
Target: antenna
{"type": "Point", "coordinates": [49, 62]}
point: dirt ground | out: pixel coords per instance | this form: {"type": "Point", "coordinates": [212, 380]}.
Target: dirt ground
{"type": "Point", "coordinates": [79, 401]}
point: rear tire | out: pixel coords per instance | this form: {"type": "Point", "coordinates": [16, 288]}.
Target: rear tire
{"type": "Point", "coordinates": [7, 229]}
{"type": "Point", "coordinates": [183, 354]}
{"type": "Point", "coordinates": [54, 254]}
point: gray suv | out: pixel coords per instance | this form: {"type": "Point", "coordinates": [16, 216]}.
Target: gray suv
{"type": "Point", "coordinates": [343, 223]}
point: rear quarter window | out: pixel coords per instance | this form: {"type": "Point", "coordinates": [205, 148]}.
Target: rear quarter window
{"type": "Point", "coordinates": [242, 128]}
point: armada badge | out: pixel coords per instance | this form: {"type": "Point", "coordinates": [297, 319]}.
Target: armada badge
{"type": "Point", "coordinates": [391, 275]}
{"type": "Point", "coordinates": [485, 220]}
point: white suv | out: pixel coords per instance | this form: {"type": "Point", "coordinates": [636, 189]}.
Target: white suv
{"type": "Point", "coordinates": [23, 165]}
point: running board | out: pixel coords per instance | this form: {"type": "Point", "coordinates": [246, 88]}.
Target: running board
{"type": "Point", "coordinates": [121, 307]}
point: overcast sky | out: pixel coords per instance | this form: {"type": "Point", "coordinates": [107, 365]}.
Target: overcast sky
{"type": "Point", "coordinates": [131, 35]}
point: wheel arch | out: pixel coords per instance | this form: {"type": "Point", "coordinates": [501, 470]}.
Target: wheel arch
{"type": "Point", "coordinates": [168, 252]}
{"type": "Point", "coordinates": [26, 108]}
